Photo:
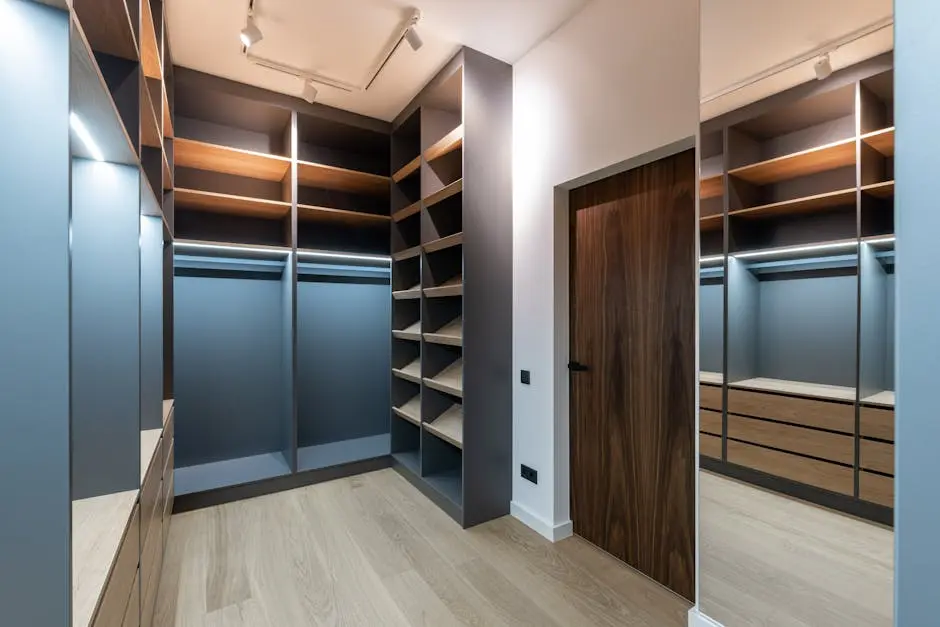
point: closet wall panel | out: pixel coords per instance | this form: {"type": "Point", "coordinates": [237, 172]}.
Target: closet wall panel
{"type": "Point", "coordinates": [229, 367]}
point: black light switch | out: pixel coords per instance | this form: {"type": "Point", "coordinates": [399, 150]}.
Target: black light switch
{"type": "Point", "coordinates": [526, 377]}
{"type": "Point", "coordinates": [530, 474]}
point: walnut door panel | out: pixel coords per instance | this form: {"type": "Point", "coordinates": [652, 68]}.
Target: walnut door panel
{"type": "Point", "coordinates": [633, 326]}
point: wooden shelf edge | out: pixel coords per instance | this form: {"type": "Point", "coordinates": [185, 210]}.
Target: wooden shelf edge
{"type": "Point", "coordinates": [443, 387]}
{"type": "Point", "coordinates": [401, 374]}
{"type": "Point", "coordinates": [408, 253]}
{"type": "Point", "coordinates": [407, 335]}
{"type": "Point", "coordinates": [445, 339]}
{"type": "Point", "coordinates": [880, 190]}
{"type": "Point", "coordinates": [320, 175]}
{"type": "Point", "coordinates": [212, 201]}
{"type": "Point", "coordinates": [192, 153]}
{"type": "Point", "coordinates": [711, 187]}
{"type": "Point", "coordinates": [312, 213]}
{"type": "Point", "coordinates": [150, 49]}
{"type": "Point", "coordinates": [881, 140]}
{"type": "Point", "coordinates": [407, 170]}
{"type": "Point", "coordinates": [817, 201]}
{"type": "Point", "coordinates": [446, 145]}
{"type": "Point", "coordinates": [797, 388]}
{"type": "Point", "coordinates": [756, 173]}
{"type": "Point", "coordinates": [408, 211]}
{"type": "Point", "coordinates": [415, 420]}
{"type": "Point", "coordinates": [167, 118]}
{"type": "Point", "coordinates": [448, 426]}
{"type": "Point", "coordinates": [409, 294]}
{"type": "Point", "coordinates": [439, 196]}
{"type": "Point", "coordinates": [443, 243]}
{"type": "Point", "coordinates": [444, 291]}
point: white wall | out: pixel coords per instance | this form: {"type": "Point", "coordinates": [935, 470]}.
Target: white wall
{"type": "Point", "coordinates": [617, 80]}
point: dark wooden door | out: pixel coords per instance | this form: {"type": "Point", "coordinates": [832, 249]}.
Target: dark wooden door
{"type": "Point", "coordinates": [633, 328]}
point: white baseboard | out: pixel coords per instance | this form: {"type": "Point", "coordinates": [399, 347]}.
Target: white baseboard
{"type": "Point", "coordinates": [547, 530]}
{"type": "Point", "coordinates": [697, 619]}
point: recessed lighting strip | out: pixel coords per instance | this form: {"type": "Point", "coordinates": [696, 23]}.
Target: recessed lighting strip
{"type": "Point", "coordinates": [790, 250]}
{"type": "Point", "coordinates": [325, 254]}
{"type": "Point", "coordinates": [272, 250]}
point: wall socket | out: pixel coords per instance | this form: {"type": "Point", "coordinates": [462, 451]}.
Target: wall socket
{"type": "Point", "coordinates": [530, 474]}
{"type": "Point", "coordinates": [526, 377]}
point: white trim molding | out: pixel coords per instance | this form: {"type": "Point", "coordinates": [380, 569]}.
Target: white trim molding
{"type": "Point", "coordinates": [697, 619]}
{"type": "Point", "coordinates": [552, 532]}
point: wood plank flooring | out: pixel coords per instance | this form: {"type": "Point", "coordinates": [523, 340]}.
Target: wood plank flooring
{"type": "Point", "coordinates": [371, 550]}
{"type": "Point", "coordinates": [773, 561]}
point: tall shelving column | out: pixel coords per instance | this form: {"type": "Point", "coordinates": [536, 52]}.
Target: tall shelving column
{"type": "Point", "coordinates": [452, 289]}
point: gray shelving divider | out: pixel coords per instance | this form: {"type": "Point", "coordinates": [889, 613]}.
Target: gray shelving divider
{"type": "Point", "coordinates": [151, 322]}
{"type": "Point", "coordinates": [467, 194]}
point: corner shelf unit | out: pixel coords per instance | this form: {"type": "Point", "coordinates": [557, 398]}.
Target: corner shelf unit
{"type": "Point", "coordinates": [451, 297]}
{"type": "Point", "coordinates": [797, 388]}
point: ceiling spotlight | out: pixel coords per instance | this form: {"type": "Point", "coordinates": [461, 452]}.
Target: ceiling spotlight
{"type": "Point", "coordinates": [310, 91]}
{"type": "Point", "coordinates": [823, 67]}
{"type": "Point", "coordinates": [251, 34]}
{"type": "Point", "coordinates": [414, 39]}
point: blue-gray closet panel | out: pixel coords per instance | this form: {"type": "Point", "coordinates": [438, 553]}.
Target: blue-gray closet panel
{"type": "Point", "coordinates": [344, 358]}
{"type": "Point", "coordinates": [711, 327]}
{"type": "Point", "coordinates": [806, 329]}
{"type": "Point", "coordinates": [229, 368]}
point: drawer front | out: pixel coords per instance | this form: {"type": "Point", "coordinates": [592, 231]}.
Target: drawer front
{"type": "Point", "coordinates": [876, 489]}
{"type": "Point", "coordinates": [168, 507]}
{"type": "Point", "coordinates": [709, 446]}
{"type": "Point", "coordinates": [117, 589]}
{"type": "Point", "coordinates": [809, 471]}
{"type": "Point", "coordinates": [170, 459]}
{"type": "Point", "coordinates": [710, 397]}
{"type": "Point", "coordinates": [802, 411]}
{"type": "Point", "coordinates": [148, 557]}
{"type": "Point", "coordinates": [149, 495]}
{"type": "Point", "coordinates": [710, 422]}
{"type": "Point", "coordinates": [829, 446]}
{"type": "Point", "coordinates": [132, 613]}
{"type": "Point", "coordinates": [877, 423]}
{"type": "Point", "coordinates": [877, 456]}
{"type": "Point", "coordinates": [150, 590]}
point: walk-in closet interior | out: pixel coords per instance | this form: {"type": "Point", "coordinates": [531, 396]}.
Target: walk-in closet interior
{"type": "Point", "coordinates": [797, 292]}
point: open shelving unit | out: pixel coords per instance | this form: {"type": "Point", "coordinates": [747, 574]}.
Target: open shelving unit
{"type": "Point", "coordinates": [448, 290]}
{"type": "Point", "coordinates": [804, 352]}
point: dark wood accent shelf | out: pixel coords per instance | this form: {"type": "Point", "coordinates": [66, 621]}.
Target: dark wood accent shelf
{"type": "Point", "coordinates": [231, 204]}
{"type": "Point", "coordinates": [797, 206]}
{"type": "Point", "coordinates": [804, 163]}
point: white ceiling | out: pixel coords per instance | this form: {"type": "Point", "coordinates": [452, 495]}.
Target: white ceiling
{"type": "Point", "coordinates": [345, 38]}
{"type": "Point", "coordinates": [741, 38]}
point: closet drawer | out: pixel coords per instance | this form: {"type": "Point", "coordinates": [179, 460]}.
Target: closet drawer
{"type": "Point", "coordinates": [828, 446]}
{"type": "Point", "coordinates": [151, 583]}
{"type": "Point", "coordinates": [809, 471]}
{"type": "Point", "coordinates": [877, 423]}
{"type": "Point", "coordinates": [168, 439]}
{"type": "Point", "coordinates": [117, 590]}
{"type": "Point", "coordinates": [877, 456]}
{"type": "Point", "coordinates": [876, 489]}
{"type": "Point", "coordinates": [167, 508]}
{"type": "Point", "coordinates": [170, 458]}
{"type": "Point", "coordinates": [150, 494]}
{"type": "Point", "coordinates": [710, 397]}
{"type": "Point", "coordinates": [149, 558]}
{"type": "Point", "coordinates": [803, 411]}
{"type": "Point", "coordinates": [709, 446]}
{"type": "Point", "coordinates": [710, 422]}
{"type": "Point", "coordinates": [132, 613]}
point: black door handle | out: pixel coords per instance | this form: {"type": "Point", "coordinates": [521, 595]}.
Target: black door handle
{"type": "Point", "coordinates": [575, 366]}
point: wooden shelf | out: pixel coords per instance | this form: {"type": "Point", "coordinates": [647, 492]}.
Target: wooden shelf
{"type": "Point", "coordinates": [882, 399]}
{"type": "Point", "coordinates": [451, 190]}
{"type": "Point", "coordinates": [809, 204]}
{"type": "Point", "coordinates": [448, 426]}
{"type": "Point", "coordinates": [107, 26]}
{"type": "Point", "coordinates": [712, 378]}
{"type": "Point", "coordinates": [167, 118]}
{"type": "Point", "coordinates": [712, 187]}
{"type": "Point", "coordinates": [340, 179]}
{"type": "Point", "coordinates": [449, 381]}
{"type": "Point", "coordinates": [797, 388]}
{"type": "Point", "coordinates": [820, 159]}
{"type": "Point", "coordinates": [167, 171]}
{"type": "Point", "coordinates": [410, 411]}
{"type": "Point", "coordinates": [413, 332]}
{"type": "Point", "coordinates": [450, 334]}
{"type": "Point", "coordinates": [407, 170]}
{"type": "Point", "coordinates": [149, 49]}
{"type": "Point", "coordinates": [408, 211]}
{"type": "Point", "coordinates": [189, 153]}
{"type": "Point", "coordinates": [713, 222]}
{"type": "Point", "coordinates": [445, 242]}
{"type": "Point", "coordinates": [149, 127]}
{"type": "Point", "coordinates": [231, 205]}
{"type": "Point", "coordinates": [452, 287]}
{"type": "Point", "coordinates": [446, 145]}
{"type": "Point", "coordinates": [882, 141]}
{"type": "Point", "coordinates": [411, 372]}
{"type": "Point", "coordinates": [410, 294]}
{"type": "Point", "coordinates": [408, 253]}
{"type": "Point", "coordinates": [880, 190]}
{"type": "Point", "coordinates": [312, 213]}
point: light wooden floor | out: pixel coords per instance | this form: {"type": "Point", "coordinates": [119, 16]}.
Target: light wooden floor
{"type": "Point", "coordinates": [772, 561]}
{"type": "Point", "coordinates": [371, 550]}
